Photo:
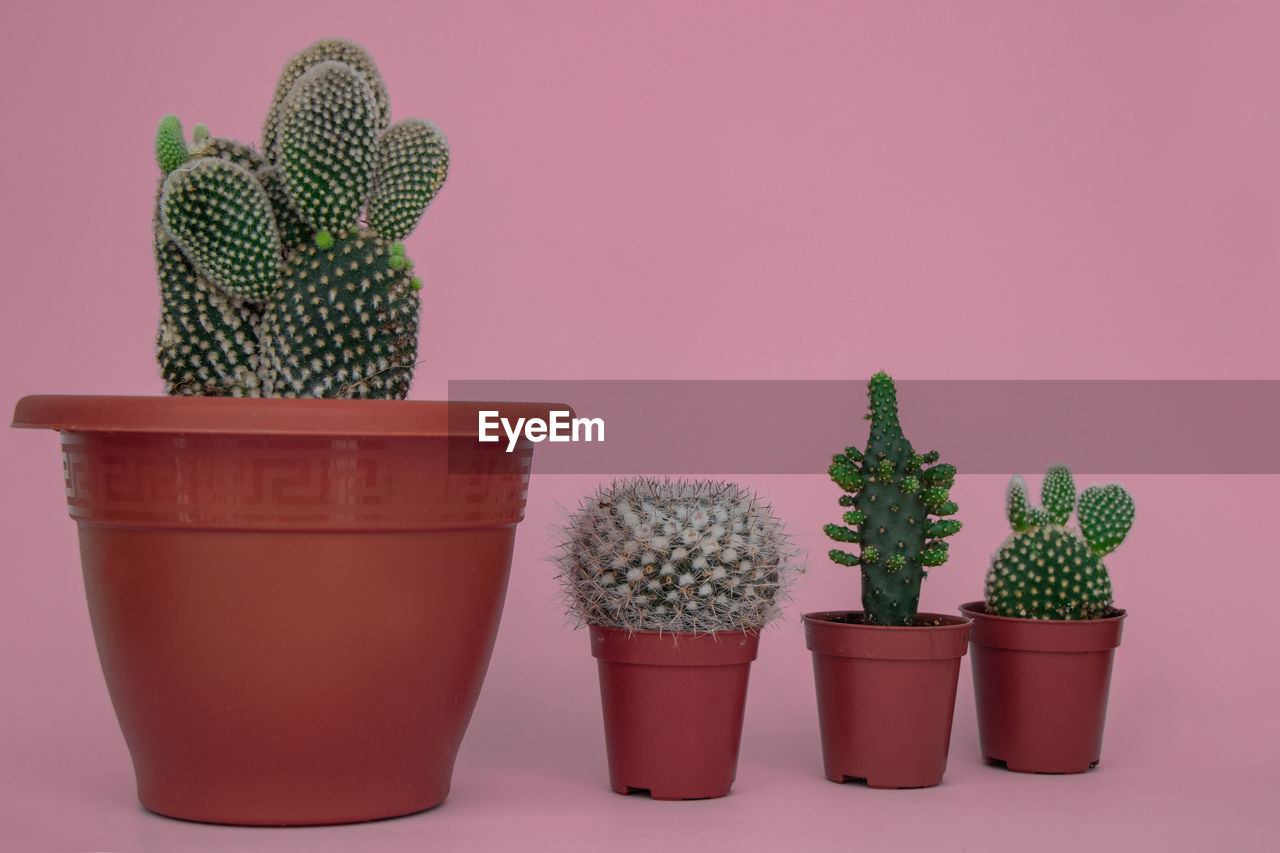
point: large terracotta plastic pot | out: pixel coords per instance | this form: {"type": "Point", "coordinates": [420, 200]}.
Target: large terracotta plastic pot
{"type": "Point", "coordinates": [294, 601]}
{"type": "Point", "coordinates": [1041, 687]}
{"type": "Point", "coordinates": [673, 708]}
{"type": "Point", "coordinates": [885, 696]}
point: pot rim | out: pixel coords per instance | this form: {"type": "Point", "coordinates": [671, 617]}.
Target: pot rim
{"type": "Point", "coordinates": [1016, 633]}
{"type": "Point", "coordinates": [887, 642]}
{"type": "Point", "coordinates": [674, 648]}
{"type": "Point", "coordinates": [266, 415]}
{"type": "Point", "coordinates": [950, 621]}
{"type": "Point", "coordinates": [978, 609]}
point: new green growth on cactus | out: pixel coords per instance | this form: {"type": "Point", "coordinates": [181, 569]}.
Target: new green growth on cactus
{"type": "Point", "coordinates": [1047, 569]}
{"type": "Point", "coordinates": [898, 508]}
{"type": "Point", "coordinates": [280, 271]}
{"type": "Point", "coordinates": [656, 555]}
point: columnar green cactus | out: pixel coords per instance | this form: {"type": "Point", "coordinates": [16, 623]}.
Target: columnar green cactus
{"type": "Point", "coordinates": [1048, 570]}
{"type": "Point", "coordinates": [649, 555]}
{"type": "Point", "coordinates": [899, 512]}
{"type": "Point", "coordinates": [270, 283]}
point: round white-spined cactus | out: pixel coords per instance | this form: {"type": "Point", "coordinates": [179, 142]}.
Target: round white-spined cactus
{"type": "Point", "coordinates": [655, 555]}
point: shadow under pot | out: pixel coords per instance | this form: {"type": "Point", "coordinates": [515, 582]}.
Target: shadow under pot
{"type": "Point", "coordinates": [1041, 688]}
{"type": "Point", "coordinates": [886, 696]}
{"type": "Point", "coordinates": [673, 707]}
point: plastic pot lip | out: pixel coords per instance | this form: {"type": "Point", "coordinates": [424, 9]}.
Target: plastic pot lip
{"type": "Point", "coordinates": [887, 642]}
{"type": "Point", "coordinates": [1043, 635]}
{"type": "Point", "coordinates": [673, 648]}
{"type": "Point", "coordinates": [267, 416]}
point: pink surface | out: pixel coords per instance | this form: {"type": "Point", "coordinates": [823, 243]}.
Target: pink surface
{"type": "Point", "coordinates": [803, 190]}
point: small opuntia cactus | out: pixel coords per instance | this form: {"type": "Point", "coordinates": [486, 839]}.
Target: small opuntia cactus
{"type": "Point", "coordinates": [1049, 570]}
{"type": "Point", "coordinates": [650, 555]}
{"type": "Point", "coordinates": [899, 512]}
{"type": "Point", "coordinates": [287, 258]}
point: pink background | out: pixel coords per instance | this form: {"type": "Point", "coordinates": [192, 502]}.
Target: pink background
{"type": "Point", "coordinates": [710, 190]}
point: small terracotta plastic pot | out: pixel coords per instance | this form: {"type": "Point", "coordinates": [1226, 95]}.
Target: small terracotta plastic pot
{"type": "Point", "coordinates": [294, 601]}
{"type": "Point", "coordinates": [1041, 688]}
{"type": "Point", "coordinates": [885, 697]}
{"type": "Point", "coordinates": [673, 708]}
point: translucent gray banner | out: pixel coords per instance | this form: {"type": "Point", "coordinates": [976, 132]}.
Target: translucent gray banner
{"type": "Point", "coordinates": [716, 427]}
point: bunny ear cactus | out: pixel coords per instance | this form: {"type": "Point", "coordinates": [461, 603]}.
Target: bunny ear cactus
{"type": "Point", "coordinates": [649, 555]}
{"type": "Point", "coordinates": [1049, 570]}
{"type": "Point", "coordinates": [289, 254]}
{"type": "Point", "coordinates": [899, 512]}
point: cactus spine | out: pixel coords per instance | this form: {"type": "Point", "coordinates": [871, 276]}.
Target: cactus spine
{"type": "Point", "coordinates": [270, 283]}
{"type": "Point", "coordinates": [899, 512]}
{"type": "Point", "coordinates": [1046, 569]}
{"type": "Point", "coordinates": [650, 555]}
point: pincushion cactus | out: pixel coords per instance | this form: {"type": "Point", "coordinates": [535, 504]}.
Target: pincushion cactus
{"type": "Point", "coordinates": [650, 555]}
{"type": "Point", "coordinates": [281, 273]}
{"type": "Point", "coordinates": [1048, 570]}
{"type": "Point", "coordinates": [898, 512]}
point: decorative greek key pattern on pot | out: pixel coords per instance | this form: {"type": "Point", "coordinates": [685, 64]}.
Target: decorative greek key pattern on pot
{"type": "Point", "coordinates": [276, 482]}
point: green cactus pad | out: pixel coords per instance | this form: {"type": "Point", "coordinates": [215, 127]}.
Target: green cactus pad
{"type": "Point", "coordinates": [171, 146]}
{"type": "Point", "coordinates": [1017, 503]}
{"type": "Point", "coordinates": [1048, 573]}
{"type": "Point", "coordinates": [898, 505]}
{"type": "Point", "coordinates": [339, 50]}
{"type": "Point", "coordinates": [1058, 494]}
{"type": "Point", "coordinates": [343, 324]}
{"type": "Point", "coordinates": [327, 138]}
{"type": "Point", "coordinates": [208, 341]}
{"type": "Point", "coordinates": [1106, 514]}
{"type": "Point", "coordinates": [292, 230]}
{"type": "Point", "coordinates": [411, 162]}
{"type": "Point", "coordinates": [220, 217]}
{"type": "Point", "coordinates": [675, 556]}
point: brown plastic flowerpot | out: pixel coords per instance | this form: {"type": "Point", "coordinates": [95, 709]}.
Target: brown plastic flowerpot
{"type": "Point", "coordinates": [885, 696]}
{"type": "Point", "coordinates": [673, 708]}
{"type": "Point", "coordinates": [294, 601]}
{"type": "Point", "coordinates": [1041, 688]}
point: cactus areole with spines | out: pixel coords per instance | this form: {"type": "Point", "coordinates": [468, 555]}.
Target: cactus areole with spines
{"type": "Point", "coordinates": [280, 274]}
{"type": "Point", "coordinates": [899, 512]}
{"type": "Point", "coordinates": [1048, 569]}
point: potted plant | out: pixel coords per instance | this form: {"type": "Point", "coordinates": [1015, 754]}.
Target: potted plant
{"type": "Point", "coordinates": [294, 600]}
{"type": "Point", "coordinates": [886, 675]}
{"type": "Point", "coordinates": [675, 581]}
{"type": "Point", "coordinates": [1045, 637]}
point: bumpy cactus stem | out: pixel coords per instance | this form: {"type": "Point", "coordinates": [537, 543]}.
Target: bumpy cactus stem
{"type": "Point", "coordinates": [1048, 570]}
{"type": "Point", "coordinates": [899, 515]}
{"type": "Point", "coordinates": [675, 556]}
